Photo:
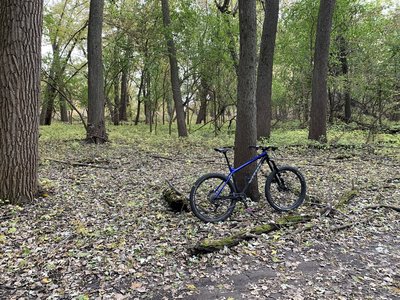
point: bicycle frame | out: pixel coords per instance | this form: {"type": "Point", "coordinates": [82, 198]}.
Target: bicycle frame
{"type": "Point", "coordinates": [262, 157]}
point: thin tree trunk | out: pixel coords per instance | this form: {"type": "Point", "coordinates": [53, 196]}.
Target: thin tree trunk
{"type": "Point", "coordinates": [175, 82]}
{"type": "Point", "coordinates": [115, 110]}
{"type": "Point", "coordinates": [345, 72]}
{"type": "Point", "coordinates": [331, 97]}
{"type": "Point", "coordinates": [63, 111]}
{"type": "Point", "coordinates": [163, 110]}
{"type": "Point", "coordinates": [49, 95]}
{"type": "Point", "coordinates": [63, 107]}
{"type": "Point", "coordinates": [96, 130]}
{"type": "Point", "coordinates": [246, 130]}
{"type": "Point", "coordinates": [138, 97]}
{"type": "Point", "coordinates": [265, 66]}
{"type": "Point", "coordinates": [232, 44]}
{"type": "Point", "coordinates": [46, 114]}
{"type": "Point", "coordinates": [124, 96]}
{"type": "Point", "coordinates": [201, 117]}
{"type": "Point", "coordinates": [20, 47]}
{"type": "Point", "coordinates": [319, 102]}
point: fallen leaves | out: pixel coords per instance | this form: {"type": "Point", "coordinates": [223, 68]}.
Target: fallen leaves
{"type": "Point", "coordinates": [105, 233]}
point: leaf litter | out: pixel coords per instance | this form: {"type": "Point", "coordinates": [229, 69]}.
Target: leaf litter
{"type": "Point", "coordinates": [105, 233]}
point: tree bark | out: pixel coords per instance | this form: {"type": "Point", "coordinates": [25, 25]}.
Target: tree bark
{"type": "Point", "coordinates": [20, 58]}
{"type": "Point", "coordinates": [175, 82]}
{"type": "Point", "coordinates": [246, 134]}
{"type": "Point", "coordinates": [96, 130]}
{"type": "Point", "coordinates": [265, 66]}
{"type": "Point", "coordinates": [319, 100]}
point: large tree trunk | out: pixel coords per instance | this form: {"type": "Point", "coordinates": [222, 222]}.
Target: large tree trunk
{"type": "Point", "coordinates": [20, 46]}
{"type": "Point", "coordinates": [96, 129]}
{"type": "Point", "coordinates": [246, 134]}
{"type": "Point", "coordinates": [175, 82]}
{"type": "Point", "coordinates": [319, 81]}
{"type": "Point", "coordinates": [265, 65]}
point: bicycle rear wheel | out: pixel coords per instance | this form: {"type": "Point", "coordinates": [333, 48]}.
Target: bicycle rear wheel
{"type": "Point", "coordinates": [285, 189]}
{"type": "Point", "coordinates": [211, 198]}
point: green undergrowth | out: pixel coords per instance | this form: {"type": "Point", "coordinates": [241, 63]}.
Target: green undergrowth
{"type": "Point", "coordinates": [160, 141]}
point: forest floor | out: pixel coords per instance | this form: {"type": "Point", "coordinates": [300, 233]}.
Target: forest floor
{"type": "Point", "coordinates": [104, 231]}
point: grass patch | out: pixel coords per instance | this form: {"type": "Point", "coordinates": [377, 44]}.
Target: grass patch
{"type": "Point", "coordinates": [160, 141]}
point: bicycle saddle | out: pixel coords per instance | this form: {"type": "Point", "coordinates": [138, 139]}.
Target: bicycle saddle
{"type": "Point", "coordinates": [223, 149]}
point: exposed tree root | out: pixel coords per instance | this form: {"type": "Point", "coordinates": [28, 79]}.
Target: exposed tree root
{"type": "Point", "coordinates": [396, 208]}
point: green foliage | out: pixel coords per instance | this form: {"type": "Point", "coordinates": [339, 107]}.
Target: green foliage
{"type": "Point", "coordinates": [207, 41]}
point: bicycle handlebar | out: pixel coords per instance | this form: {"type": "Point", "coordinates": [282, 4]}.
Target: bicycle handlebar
{"type": "Point", "coordinates": [264, 148]}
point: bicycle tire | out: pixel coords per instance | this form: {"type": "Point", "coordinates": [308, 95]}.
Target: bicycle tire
{"type": "Point", "coordinates": [285, 189]}
{"type": "Point", "coordinates": [201, 201]}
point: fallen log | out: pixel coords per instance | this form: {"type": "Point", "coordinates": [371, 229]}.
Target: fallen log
{"type": "Point", "coordinates": [209, 245]}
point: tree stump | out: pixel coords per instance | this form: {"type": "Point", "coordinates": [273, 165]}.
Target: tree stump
{"type": "Point", "coordinates": [175, 200]}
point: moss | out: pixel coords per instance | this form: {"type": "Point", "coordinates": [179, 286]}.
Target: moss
{"type": "Point", "coordinates": [346, 197]}
{"type": "Point", "coordinates": [292, 219]}
{"type": "Point", "coordinates": [265, 228]}
{"type": "Point", "coordinates": [213, 245]}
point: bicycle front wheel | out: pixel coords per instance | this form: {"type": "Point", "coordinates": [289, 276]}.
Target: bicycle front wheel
{"type": "Point", "coordinates": [285, 189]}
{"type": "Point", "coordinates": [211, 198]}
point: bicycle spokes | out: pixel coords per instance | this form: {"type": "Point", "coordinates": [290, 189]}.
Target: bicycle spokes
{"type": "Point", "coordinates": [285, 189]}
{"type": "Point", "coordinates": [212, 198]}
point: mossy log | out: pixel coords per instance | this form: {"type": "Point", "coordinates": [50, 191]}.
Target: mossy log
{"type": "Point", "coordinates": [209, 245]}
{"type": "Point", "coordinates": [175, 200]}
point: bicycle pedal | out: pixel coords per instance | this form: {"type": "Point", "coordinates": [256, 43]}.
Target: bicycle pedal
{"type": "Point", "coordinates": [250, 210]}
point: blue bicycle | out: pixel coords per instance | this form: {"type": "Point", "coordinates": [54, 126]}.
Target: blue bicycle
{"type": "Point", "coordinates": [214, 196]}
